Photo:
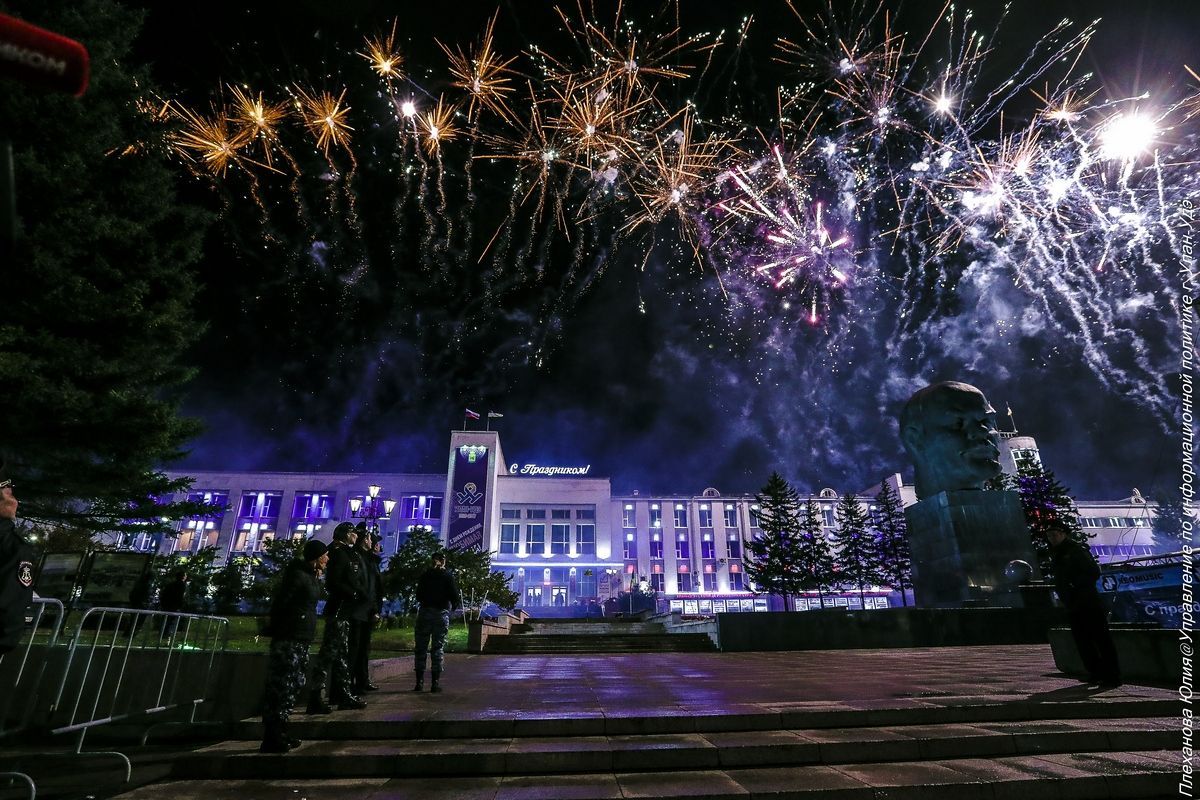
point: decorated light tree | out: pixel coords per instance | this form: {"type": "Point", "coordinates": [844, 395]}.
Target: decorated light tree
{"type": "Point", "coordinates": [1046, 502]}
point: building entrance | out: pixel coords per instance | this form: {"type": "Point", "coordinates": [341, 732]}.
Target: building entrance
{"type": "Point", "coordinates": [558, 596]}
{"type": "Point", "coordinates": [533, 596]}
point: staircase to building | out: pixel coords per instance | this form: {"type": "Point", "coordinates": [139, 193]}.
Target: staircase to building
{"type": "Point", "coordinates": [552, 636]}
{"type": "Point", "coordinates": [992, 751]}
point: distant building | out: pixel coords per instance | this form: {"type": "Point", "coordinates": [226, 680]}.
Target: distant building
{"type": "Point", "coordinates": [562, 535]}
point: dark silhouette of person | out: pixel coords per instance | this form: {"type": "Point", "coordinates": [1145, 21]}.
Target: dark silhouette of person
{"type": "Point", "coordinates": [1075, 576]}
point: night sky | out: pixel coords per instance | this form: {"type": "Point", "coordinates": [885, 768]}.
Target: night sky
{"type": "Point", "coordinates": [334, 341]}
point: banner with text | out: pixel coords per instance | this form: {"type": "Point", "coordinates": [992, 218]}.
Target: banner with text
{"type": "Point", "coordinates": [468, 497]}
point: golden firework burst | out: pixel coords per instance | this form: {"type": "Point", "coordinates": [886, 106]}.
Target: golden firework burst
{"type": "Point", "coordinates": [437, 126]}
{"type": "Point", "coordinates": [213, 140]}
{"type": "Point", "coordinates": [325, 117]}
{"type": "Point", "coordinates": [384, 56]}
{"type": "Point", "coordinates": [258, 119]}
{"type": "Point", "coordinates": [483, 74]}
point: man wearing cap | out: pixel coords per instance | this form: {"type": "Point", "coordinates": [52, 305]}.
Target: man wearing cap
{"type": "Point", "coordinates": [1075, 575]}
{"type": "Point", "coordinates": [293, 626]}
{"type": "Point", "coordinates": [437, 594]}
{"type": "Point", "coordinates": [345, 585]}
{"type": "Point", "coordinates": [16, 569]}
{"type": "Point", "coordinates": [367, 549]}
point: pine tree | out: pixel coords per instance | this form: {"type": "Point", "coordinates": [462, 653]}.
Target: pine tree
{"type": "Point", "coordinates": [1045, 502]}
{"type": "Point", "coordinates": [410, 560]}
{"type": "Point", "coordinates": [98, 293]}
{"type": "Point", "coordinates": [775, 564]}
{"type": "Point", "coordinates": [858, 550]}
{"type": "Point", "coordinates": [1169, 516]}
{"type": "Point", "coordinates": [478, 582]}
{"type": "Point", "coordinates": [892, 528]}
{"type": "Point", "coordinates": [816, 556]}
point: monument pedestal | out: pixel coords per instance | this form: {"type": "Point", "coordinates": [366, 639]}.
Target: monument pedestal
{"type": "Point", "coordinates": [961, 541]}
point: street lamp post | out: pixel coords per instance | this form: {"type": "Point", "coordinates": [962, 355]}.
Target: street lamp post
{"type": "Point", "coordinates": [371, 509]}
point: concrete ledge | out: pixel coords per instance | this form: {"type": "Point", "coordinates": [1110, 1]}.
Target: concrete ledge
{"type": "Point", "coordinates": [842, 629]}
{"type": "Point", "coordinates": [478, 631]}
{"type": "Point", "coordinates": [1147, 656]}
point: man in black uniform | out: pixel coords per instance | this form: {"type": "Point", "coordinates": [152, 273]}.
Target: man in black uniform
{"type": "Point", "coordinates": [367, 550]}
{"type": "Point", "coordinates": [437, 594]}
{"type": "Point", "coordinates": [16, 569]}
{"type": "Point", "coordinates": [345, 586]}
{"type": "Point", "coordinates": [1075, 576]}
{"type": "Point", "coordinates": [293, 626]}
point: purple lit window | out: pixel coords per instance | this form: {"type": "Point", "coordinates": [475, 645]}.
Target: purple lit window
{"type": "Point", "coordinates": [510, 534]}
{"type": "Point", "coordinates": [627, 516]}
{"type": "Point", "coordinates": [754, 516]}
{"type": "Point", "coordinates": [658, 582]}
{"type": "Point", "coordinates": [258, 517]}
{"type": "Point", "coordinates": [630, 547]}
{"type": "Point", "coordinates": [421, 507]}
{"type": "Point", "coordinates": [560, 513]}
{"type": "Point", "coordinates": [735, 547]}
{"type": "Point", "coordinates": [705, 516]}
{"type": "Point", "coordinates": [736, 581]}
{"type": "Point", "coordinates": [586, 535]}
{"type": "Point", "coordinates": [685, 581]}
{"type": "Point", "coordinates": [656, 548]}
{"type": "Point", "coordinates": [682, 546]}
{"type": "Point", "coordinates": [731, 520]}
{"type": "Point", "coordinates": [535, 540]}
{"type": "Point", "coordinates": [681, 515]}
{"type": "Point", "coordinates": [710, 582]}
{"type": "Point", "coordinates": [655, 516]}
{"type": "Point", "coordinates": [312, 506]}
{"type": "Point", "coordinates": [560, 539]}
{"type": "Point", "coordinates": [708, 548]}
{"type": "Point", "coordinates": [585, 513]}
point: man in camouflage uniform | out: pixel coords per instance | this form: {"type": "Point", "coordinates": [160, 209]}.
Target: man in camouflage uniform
{"type": "Point", "coordinates": [437, 594]}
{"type": "Point", "coordinates": [345, 584]}
{"type": "Point", "coordinates": [293, 625]}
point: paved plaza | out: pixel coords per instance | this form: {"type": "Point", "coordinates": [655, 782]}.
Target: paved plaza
{"type": "Point", "coordinates": [986, 722]}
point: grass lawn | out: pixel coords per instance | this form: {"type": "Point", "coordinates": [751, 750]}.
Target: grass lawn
{"type": "Point", "coordinates": [385, 643]}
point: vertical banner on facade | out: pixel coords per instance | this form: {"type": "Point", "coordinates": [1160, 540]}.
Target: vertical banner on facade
{"type": "Point", "coordinates": [468, 497]}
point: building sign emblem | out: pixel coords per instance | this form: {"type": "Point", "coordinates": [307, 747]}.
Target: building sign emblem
{"type": "Point", "coordinates": [538, 469]}
{"type": "Point", "coordinates": [469, 491]}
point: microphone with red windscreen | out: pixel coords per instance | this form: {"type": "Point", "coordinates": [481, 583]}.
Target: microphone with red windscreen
{"type": "Point", "coordinates": [42, 58]}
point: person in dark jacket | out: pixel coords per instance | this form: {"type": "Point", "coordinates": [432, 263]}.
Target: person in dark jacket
{"type": "Point", "coordinates": [293, 626]}
{"type": "Point", "coordinates": [345, 585]}
{"type": "Point", "coordinates": [368, 551]}
{"type": "Point", "coordinates": [173, 597]}
{"type": "Point", "coordinates": [16, 569]}
{"type": "Point", "coordinates": [1075, 575]}
{"type": "Point", "coordinates": [437, 594]}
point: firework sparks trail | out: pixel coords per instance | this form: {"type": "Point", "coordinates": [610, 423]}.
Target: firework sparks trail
{"type": "Point", "coordinates": [903, 184]}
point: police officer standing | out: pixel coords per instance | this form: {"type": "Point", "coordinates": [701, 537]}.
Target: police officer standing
{"type": "Point", "coordinates": [16, 569]}
{"type": "Point", "coordinates": [437, 594]}
{"type": "Point", "coordinates": [1075, 576]}
{"type": "Point", "coordinates": [367, 550]}
{"type": "Point", "coordinates": [345, 586]}
{"type": "Point", "coordinates": [293, 626]}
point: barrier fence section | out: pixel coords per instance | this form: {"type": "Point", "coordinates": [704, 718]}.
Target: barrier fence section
{"type": "Point", "coordinates": [19, 696]}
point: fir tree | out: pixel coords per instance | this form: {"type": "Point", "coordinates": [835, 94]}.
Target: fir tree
{"type": "Point", "coordinates": [478, 582]}
{"type": "Point", "coordinates": [98, 293]}
{"type": "Point", "coordinates": [816, 556]}
{"type": "Point", "coordinates": [775, 564]}
{"type": "Point", "coordinates": [1046, 502]}
{"type": "Point", "coordinates": [892, 528]}
{"type": "Point", "coordinates": [858, 550]}
{"type": "Point", "coordinates": [1169, 516]}
{"type": "Point", "coordinates": [410, 560]}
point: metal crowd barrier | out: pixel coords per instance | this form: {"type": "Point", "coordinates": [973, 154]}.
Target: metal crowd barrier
{"type": "Point", "coordinates": [173, 655]}
{"type": "Point", "coordinates": [18, 700]}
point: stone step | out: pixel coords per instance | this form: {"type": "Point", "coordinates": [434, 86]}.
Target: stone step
{"type": "Point", "coordinates": [360, 725]}
{"type": "Point", "coordinates": [594, 628]}
{"type": "Point", "coordinates": [1089, 774]}
{"type": "Point", "coordinates": [681, 751]}
{"type": "Point", "coordinates": [535, 643]}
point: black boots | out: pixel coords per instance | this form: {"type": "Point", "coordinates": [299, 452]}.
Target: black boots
{"type": "Point", "coordinates": [274, 739]}
{"type": "Point", "coordinates": [436, 686]}
{"type": "Point", "coordinates": [316, 705]}
{"type": "Point", "coordinates": [350, 703]}
{"type": "Point", "coordinates": [420, 686]}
